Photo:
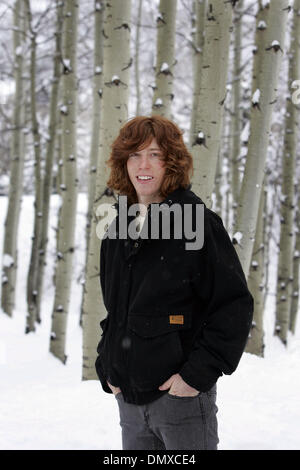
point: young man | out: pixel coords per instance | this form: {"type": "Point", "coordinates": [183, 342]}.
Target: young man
{"type": "Point", "coordinates": [177, 318]}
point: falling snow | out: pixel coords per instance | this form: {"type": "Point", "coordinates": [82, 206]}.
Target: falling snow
{"type": "Point", "coordinates": [275, 43]}
{"type": "Point", "coordinates": [238, 236]}
{"type": "Point", "coordinates": [64, 109]}
{"type": "Point", "coordinates": [158, 102]}
{"type": "Point", "coordinates": [256, 96]}
{"type": "Point", "coordinates": [164, 67]}
{"type": "Point", "coordinates": [18, 50]}
{"type": "Point", "coordinates": [67, 63]}
{"type": "Point", "coordinates": [8, 260]}
{"type": "Point", "coordinates": [262, 25]}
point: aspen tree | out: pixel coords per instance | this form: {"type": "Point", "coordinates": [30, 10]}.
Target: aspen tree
{"type": "Point", "coordinates": [218, 185]}
{"type": "Point", "coordinates": [96, 103]}
{"type": "Point", "coordinates": [165, 61]}
{"type": "Point", "coordinates": [258, 270]}
{"type": "Point", "coordinates": [236, 116]}
{"type": "Point", "coordinates": [270, 214]}
{"type": "Point", "coordinates": [296, 263]}
{"type": "Point", "coordinates": [222, 178]}
{"type": "Point", "coordinates": [66, 227]}
{"type": "Point", "coordinates": [256, 279]}
{"type": "Point", "coordinates": [114, 112]}
{"type": "Point", "coordinates": [263, 101]}
{"type": "Point", "coordinates": [137, 59]}
{"type": "Point", "coordinates": [50, 150]}
{"type": "Point", "coordinates": [59, 185]}
{"type": "Point", "coordinates": [291, 135]}
{"type": "Point", "coordinates": [10, 252]}
{"type": "Point", "coordinates": [260, 40]}
{"type": "Point", "coordinates": [33, 272]}
{"type": "Point", "coordinates": [206, 138]}
{"type": "Point", "coordinates": [59, 151]}
{"type": "Point", "coordinates": [198, 38]}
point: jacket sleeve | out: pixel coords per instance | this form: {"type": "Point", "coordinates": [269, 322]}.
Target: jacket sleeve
{"type": "Point", "coordinates": [227, 306]}
{"type": "Point", "coordinates": [98, 366]}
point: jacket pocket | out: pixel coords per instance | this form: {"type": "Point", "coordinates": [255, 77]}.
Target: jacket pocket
{"type": "Point", "coordinates": [155, 351]}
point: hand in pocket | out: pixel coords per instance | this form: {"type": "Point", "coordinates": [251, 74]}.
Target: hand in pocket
{"type": "Point", "coordinates": [114, 389]}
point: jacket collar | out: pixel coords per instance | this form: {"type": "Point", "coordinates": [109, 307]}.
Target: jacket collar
{"type": "Point", "coordinates": [175, 196]}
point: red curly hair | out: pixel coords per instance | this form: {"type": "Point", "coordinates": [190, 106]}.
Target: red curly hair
{"type": "Point", "coordinates": [135, 135]}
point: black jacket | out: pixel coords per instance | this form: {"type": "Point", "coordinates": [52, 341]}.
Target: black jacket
{"type": "Point", "coordinates": [171, 310]}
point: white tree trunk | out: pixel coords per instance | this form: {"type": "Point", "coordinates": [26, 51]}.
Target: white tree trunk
{"type": "Point", "coordinates": [63, 275]}
{"type": "Point", "coordinates": [222, 182]}
{"type": "Point", "coordinates": [260, 41]}
{"type": "Point", "coordinates": [95, 140]}
{"type": "Point", "coordinates": [165, 61]}
{"type": "Point", "coordinates": [206, 138]}
{"type": "Point", "coordinates": [236, 117]}
{"type": "Point", "coordinates": [256, 281]}
{"type": "Point", "coordinates": [286, 244]}
{"type": "Point", "coordinates": [117, 63]}
{"type": "Point", "coordinates": [259, 269]}
{"type": "Point", "coordinates": [48, 174]}
{"type": "Point", "coordinates": [137, 59]}
{"type": "Point", "coordinates": [198, 35]}
{"type": "Point", "coordinates": [296, 263]}
{"type": "Point", "coordinates": [10, 254]}
{"type": "Point", "coordinates": [262, 106]}
{"type": "Point", "coordinates": [33, 272]}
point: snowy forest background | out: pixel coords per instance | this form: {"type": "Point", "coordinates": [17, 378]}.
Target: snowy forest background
{"type": "Point", "coordinates": [40, 321]}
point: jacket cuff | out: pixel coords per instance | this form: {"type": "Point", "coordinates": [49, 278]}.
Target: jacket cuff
{"type": "Point", "coordinates": [105, 386]}
{"type": "Point", "coordinates": [102, 378]}
{"type": "Point", "coordinates": [197, 381]}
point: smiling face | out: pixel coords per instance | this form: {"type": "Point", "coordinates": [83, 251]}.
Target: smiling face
{"type": "Point", "coordinates": [147, 163]}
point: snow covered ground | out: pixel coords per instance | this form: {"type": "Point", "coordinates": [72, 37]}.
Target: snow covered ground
{"type": "Point", "coordinates": [45, 405]}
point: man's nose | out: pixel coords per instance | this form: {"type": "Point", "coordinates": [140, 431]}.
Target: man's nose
{"type": "Point", "coordinates": [144, 161]}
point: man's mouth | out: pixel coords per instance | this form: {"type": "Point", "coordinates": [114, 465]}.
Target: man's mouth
{"type": "Point", "coordinates": [144, 178]}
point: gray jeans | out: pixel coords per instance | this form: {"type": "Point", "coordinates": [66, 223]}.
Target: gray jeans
{"type": "Point", "coordinates": [170, 422]}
